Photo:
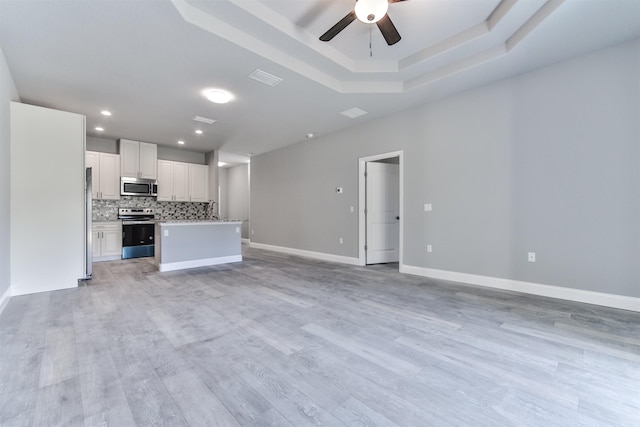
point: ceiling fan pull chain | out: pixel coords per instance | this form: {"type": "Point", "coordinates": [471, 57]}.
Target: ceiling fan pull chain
{"type": "Point", "coordinates": [370, 48]}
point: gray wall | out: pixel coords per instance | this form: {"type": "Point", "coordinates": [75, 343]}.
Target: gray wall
{"type": "Point", "coordinates": [107, 145]}
{"type": "Point", "coordinates": [8, 93]}
{"type": "Point", "coordinates": [211, 160]}
{"type": "Point", "coordinates": [223, 174]}
{"type": "Point", "coordinates": [238, 196]}
{"type": "Point", "coordinates": [546, 162]}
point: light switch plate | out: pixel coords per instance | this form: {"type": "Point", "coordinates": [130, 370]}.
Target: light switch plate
{"type": "Point", "coordinates": [166, 233]}
{"type": "Point", "coordinates": [428, 207]}
{"type": "Point", "coordinates": [531, 256]}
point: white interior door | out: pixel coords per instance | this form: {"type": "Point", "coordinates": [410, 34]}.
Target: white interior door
{"type": "Point", "coordinates": [382, 214]}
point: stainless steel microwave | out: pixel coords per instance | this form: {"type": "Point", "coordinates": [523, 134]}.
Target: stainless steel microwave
{"type": "Point", "coordinates": [138, 187]}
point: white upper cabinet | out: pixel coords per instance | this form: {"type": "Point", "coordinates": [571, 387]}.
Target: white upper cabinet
{"type": "Point", "coordinates": [182, 182]}
{"type": "Point", "coordinates": [173, 181]}
{"type": "Point", "coordinates": [198, 183]}
{"type": "Point", "coordinates": [165, 180]}
{"type": "Point", "coordinates": [148, 160]}
{"type": "Point", "coordinates": [105, 169]}
{"type": "Point", "coordinates": [138, 159]}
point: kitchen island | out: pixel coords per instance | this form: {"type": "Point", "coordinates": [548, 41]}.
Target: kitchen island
{"type": "Point", "coordinates": [184, 244]}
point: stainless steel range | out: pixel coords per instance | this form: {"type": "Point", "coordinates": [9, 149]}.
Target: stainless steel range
{"type": "Point", "coordinates": [138, 226]}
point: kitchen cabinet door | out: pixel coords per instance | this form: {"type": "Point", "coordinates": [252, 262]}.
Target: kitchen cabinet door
{"type": "Point", "coordinates": [148, 160]}
{"type": "Point", "coordinates": [111, 244]}
{"type": "Point", "coordinates": [109, 176]}
{"type": "Point", "coordinates": [105, 173]}
{"type": "Point", "coordinates": [107, 241]}
{"type": "Point", "coordinates": [198, 183]}
{"type": "Point", "coordinates": [180, 182]}
{"type": "Point", "coordinates": [95, 242]}
{"type": "Point", "coordinates": [173, 181]}
{"type": "Point", "coordinates": [138, 159]}
{"type": "Point", "coordinates": [165, 180]}
{"type": "Point", "coordinates": [129, 158]}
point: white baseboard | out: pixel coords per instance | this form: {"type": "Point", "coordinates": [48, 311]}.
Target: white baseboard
{"type": "Point", "coordinates": [309, 254]}
{"type": "Point", "coordinates": [245, 240]}
{"type": "Point", "coordinates": [577, 295]}
{"type": "Point", "coordinates": [181, 265]}
{"type": "Point", "coordinates": [4, 299]}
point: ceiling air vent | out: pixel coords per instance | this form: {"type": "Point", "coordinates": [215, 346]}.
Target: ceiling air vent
{"type": "Point", "coordinates": [353, 112]}
{"type": "Point", "coordinates": [264, 77]}
{"type": "Point", "coordinates": [203, 120]}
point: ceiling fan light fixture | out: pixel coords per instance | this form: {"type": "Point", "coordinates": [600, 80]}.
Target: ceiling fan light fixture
{"type": "Point", "coordinates": [371, 11]}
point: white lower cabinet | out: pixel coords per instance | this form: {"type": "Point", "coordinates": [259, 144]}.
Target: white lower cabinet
{"type": "Point", "coordinates": [107, 241]}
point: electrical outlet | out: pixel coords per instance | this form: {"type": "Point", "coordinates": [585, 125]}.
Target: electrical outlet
{"type": "Point", "coordinates": [352, 209]}
{"type": "Point", "coordinates": [429, 248]}
{"type": "Point", "coordinates": [252, 232]}
{"type": "Point", "coordinates": [341, 241]}
{"type": "Point", "coordinates": [531, 257]}
{"type": "Point", "coordinates": [428, 207]}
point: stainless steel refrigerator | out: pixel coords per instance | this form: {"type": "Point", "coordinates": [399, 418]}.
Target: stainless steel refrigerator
{"type": "Point", "coordinates": [88, 258]}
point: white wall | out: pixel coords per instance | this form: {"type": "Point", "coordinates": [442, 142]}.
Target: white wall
{"type": "Point", "coordinates": [8, 93]}
{"type": "Point", "coordinates": [548, 162]}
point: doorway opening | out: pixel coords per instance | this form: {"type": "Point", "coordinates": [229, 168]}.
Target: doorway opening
{"type": "Point", "coordinates": [380, 198]}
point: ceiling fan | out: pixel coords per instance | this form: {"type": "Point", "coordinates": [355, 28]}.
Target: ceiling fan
{"type": "Point", "coordinates": [369, 12]}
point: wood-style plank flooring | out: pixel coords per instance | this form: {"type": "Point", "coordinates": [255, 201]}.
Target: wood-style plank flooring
{"type": "Point", "coordinates": [279, 340]}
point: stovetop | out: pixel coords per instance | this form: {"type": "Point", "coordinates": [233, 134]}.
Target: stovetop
{"type": "Point", "coordinates": [139, 214]}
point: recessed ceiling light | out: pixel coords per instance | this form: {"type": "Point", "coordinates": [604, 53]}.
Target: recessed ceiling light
{"type": "Point", "coordinates": [99, 129]}
{"type": "Point", "coordinates": [218, 96]}
{"type": "Point", "coordinates": [181, 142]}
{"type": "Point", "coordinates": [353, 112]}
{"type": "Point", "coordinates": [220, 164]}
{"type": "Point", "coordinates": [105, 112]}
{"type": "Point", "coordinates": [198, 131]}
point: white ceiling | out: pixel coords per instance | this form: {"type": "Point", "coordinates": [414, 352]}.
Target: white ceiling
{"type": "Point", "coordinates": [148, 60]}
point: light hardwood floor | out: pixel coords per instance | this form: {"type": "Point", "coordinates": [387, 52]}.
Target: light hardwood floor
{"type": "Point", "coordinates": [285, 341]}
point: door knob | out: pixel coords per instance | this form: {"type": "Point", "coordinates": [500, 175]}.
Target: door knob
{"type": "Point", "coordinates": [397, 217]}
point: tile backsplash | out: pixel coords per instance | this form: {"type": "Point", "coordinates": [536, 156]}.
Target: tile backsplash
{"type": "Point", "coordinates": [107, 210]}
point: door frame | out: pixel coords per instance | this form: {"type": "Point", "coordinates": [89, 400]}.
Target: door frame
{"type": "Point", "coordinates": [362, 221]}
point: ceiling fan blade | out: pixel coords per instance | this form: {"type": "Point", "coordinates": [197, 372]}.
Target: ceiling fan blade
{"type": "Point", "coordinates": [341, 25]}
{"type": "Point", "coordinates": [395, 1]}
{"type": "Point", "coordinates": [388, 30]}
